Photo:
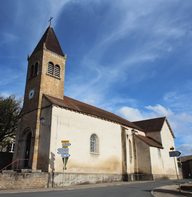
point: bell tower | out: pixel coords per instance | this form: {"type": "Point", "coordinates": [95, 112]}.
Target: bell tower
{"type": "Point", "coordinates": [45, 75]}
{"type": "Point", "coordinates": [46, 70]}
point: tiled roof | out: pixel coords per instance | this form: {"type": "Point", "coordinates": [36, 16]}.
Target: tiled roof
{"type": "Point", "coordinates": [152, 125]}
{"type": "Point", "coordinates": [84, 108]}
{"type": "Point", "coordinates": [51, 42]}
{"type": "Point", "coordinates": [185, 158]}
{"type": "Point", "coordinates": [149, 141]}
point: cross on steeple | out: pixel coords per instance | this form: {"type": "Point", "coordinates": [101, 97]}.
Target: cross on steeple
{"type": "Point", "coordinates": [50, 20]}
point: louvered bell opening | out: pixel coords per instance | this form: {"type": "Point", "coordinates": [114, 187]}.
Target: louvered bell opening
{"type": "Point", "coordinates": [50, 68]}
{"type": "Point", "coordinates": [57, 71]}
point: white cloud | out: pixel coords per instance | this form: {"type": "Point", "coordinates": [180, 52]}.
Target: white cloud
{"type": "Point", "coordinates": [160, 110]}
{"type": "Point", "coordinates": [130, 114]}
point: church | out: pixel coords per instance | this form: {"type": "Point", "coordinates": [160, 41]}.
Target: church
{"type": "Point", "coordinates": [104, 147]}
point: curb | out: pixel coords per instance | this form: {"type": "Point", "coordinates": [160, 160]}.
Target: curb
{"type": "Point", "coordinates": [152, 192]}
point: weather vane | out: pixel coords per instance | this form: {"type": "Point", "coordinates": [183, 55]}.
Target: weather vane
{"type": "Point", "coordinates": [50, 20]}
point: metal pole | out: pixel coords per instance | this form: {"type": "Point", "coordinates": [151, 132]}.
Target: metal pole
{"type": "Point", "coordinates": [177, 175]}
{"type": "Point", "coordinates": [64, 170]}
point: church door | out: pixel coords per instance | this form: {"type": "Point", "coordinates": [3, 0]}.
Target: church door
{"type": "Point", "coordinates": [27, 151]}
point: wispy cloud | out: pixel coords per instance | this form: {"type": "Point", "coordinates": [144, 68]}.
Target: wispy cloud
{"type": "Point", "coordinates": [185, 149]}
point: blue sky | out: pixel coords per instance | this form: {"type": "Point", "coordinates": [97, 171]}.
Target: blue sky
{"type": "Point", "coordinates": [132, 58]}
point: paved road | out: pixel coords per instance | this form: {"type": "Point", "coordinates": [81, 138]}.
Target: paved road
{"type": "Point", "coordinates": [134, 189]}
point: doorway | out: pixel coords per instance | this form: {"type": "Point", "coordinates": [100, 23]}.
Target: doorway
{"type": "Point", "coordinates": [27, 150]}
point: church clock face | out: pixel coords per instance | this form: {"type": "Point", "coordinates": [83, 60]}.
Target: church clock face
{"type": "Point", "coordinates": [31, 94]}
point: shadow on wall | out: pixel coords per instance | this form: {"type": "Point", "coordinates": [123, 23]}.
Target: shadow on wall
{"type": "Point", "coordinates": [5, 159]}
{"type": "Point", "coordinates": [52, 162]}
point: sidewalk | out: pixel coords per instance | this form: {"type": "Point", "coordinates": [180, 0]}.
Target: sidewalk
{"type": "Point", "coordinates": [170, 191]}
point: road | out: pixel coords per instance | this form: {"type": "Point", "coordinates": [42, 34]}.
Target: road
{"type": "Point", "coordinates": [134, 189]}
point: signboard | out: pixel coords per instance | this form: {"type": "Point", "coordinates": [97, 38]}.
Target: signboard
{"type": "Point", "coordinates": [174, 153]}
{"type": "Point", "coordinates": [65, 143]}
{"type": "Point", "coordinates": [65, 155]}
{"type": "Point", "coordinates": [62, 150]}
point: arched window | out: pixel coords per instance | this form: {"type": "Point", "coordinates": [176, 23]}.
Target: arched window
{"type": "Point", "coordinates": [50, 68]}
{"type": "Point", "coordinates": [94, 144]}
{"type": "Point", "coordinates": [36, 68]}
{"type": "Point", "coordinates": [32, 69]}
{"type": "Point", "coordinates": [57, 71]}
{"type": "Point", "coordinates": [130, 151]}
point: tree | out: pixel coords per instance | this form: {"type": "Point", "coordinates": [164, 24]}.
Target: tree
{"type": "Point", "coordinates": [9, 112]}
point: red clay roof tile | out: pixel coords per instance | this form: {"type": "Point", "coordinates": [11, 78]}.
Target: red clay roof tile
{"type": "Point", "coordinates": [81, 107]}
{"type": "Point", "coordinates": [149, 141]}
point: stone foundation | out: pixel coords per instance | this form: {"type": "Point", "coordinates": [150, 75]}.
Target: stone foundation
{"type": "Point", "coordinates": [27, 178]}
{"type": "Point", "coordinates": [13, 180]}
{"type": "Point", "coordinates": [56, 179]}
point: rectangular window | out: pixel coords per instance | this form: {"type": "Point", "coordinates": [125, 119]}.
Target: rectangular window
{"type": "Point", "coordinates": [159, 152]}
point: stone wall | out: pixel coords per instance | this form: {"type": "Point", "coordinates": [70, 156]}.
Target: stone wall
{"type": "Point", "coordinates": [14, 180]}
{"type": "Point", "coordinates": [56, 179]}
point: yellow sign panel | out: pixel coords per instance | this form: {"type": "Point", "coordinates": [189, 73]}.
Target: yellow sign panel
{"type": "Point", "coordinates": [64, 142]}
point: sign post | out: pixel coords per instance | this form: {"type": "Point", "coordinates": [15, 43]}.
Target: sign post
{"type": "Point", "coordinates": [175, 154]}
{"type": "Point", "coordinates": [64, 151]}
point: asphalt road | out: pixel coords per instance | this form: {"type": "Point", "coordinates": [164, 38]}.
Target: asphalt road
{"type": "Point", "coordinates": [135, 189]}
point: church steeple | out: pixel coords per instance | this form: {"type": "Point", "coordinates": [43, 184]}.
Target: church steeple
{"type": "Point", "coordinates": [46, 71]}
{"type": "Point", "coordinates": [50, 41]}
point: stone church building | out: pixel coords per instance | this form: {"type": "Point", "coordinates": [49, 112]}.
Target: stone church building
{"type": "Point", "coordinates": [104, 147]}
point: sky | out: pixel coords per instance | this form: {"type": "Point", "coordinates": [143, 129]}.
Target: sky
{"type": "Point", "coordinates": [130, 57]}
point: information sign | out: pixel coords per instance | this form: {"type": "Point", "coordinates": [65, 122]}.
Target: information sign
{"type": "Point", "coordinates": [174, 153]}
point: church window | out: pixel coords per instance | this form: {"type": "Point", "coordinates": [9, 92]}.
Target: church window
{"type": "Point", "coordinates": [57, 71]}
{"type": "Point", "coordinates": [50, 68]}
{"type": "Point", "coordinates": [94, 144]}
{"type": "Point", "coordinates": [159, 152]}
{"type": "Point", "coordinates": [130, 152]}
{"type": "Point", "coordinates": [32, 69]}
{"type": "Point", "coordinates": [36, 68]}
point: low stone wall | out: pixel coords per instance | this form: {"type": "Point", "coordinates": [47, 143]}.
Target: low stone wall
{"type": "Point", "coordinates": [56, 179]}
{"type": "Point", "coordinates": [14, 180]}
